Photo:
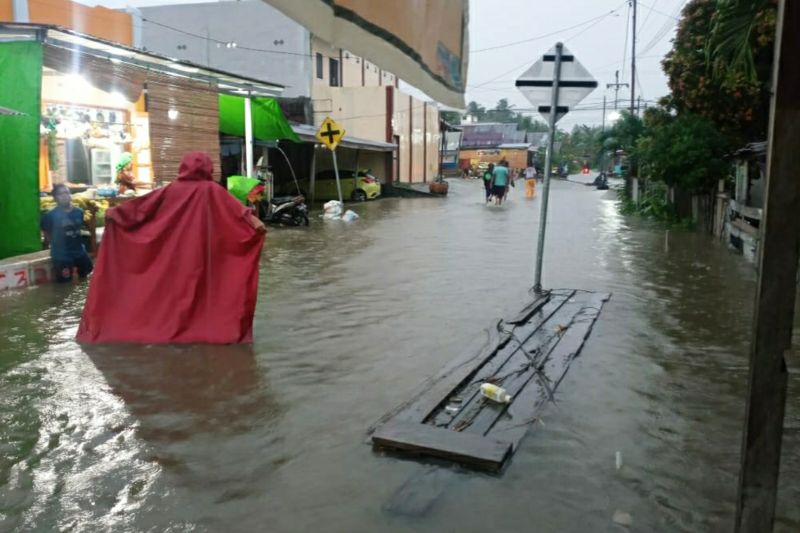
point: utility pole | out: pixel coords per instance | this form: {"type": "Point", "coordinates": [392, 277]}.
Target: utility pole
{"type": "Point", "coordinates": [548, 161]}
{"type": "Point", "coordinates": [604, 113]}
{"type": "Point", "coordinates": [777, 285]}
{"type": "Point", "coordinates": [616, 85]}
{"type": "Point", "coordinates": [633, 59]}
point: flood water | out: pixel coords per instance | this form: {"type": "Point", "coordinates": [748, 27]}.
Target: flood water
{"type": "Point", "coordinates": [351, 319]}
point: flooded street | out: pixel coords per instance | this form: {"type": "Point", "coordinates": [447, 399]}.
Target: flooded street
{"type": "Point", "coordinates": [351, 319]}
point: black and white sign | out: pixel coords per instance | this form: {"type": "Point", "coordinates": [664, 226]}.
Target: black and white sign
{"type": "Point", "coordinates": [575, 83]}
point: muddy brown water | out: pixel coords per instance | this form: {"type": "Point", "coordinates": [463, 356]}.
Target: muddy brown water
{"type": "Point", "coordinates": [351, 319]}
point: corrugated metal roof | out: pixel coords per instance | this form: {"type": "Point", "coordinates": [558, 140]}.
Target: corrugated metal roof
{"type": "Point", "coordinates": [308, 133]}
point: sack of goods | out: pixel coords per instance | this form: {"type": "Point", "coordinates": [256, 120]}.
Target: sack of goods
{"type": "Point", "coordinates": [333, 209]}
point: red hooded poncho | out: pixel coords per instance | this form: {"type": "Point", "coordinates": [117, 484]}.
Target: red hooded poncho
{"type": "Point", "coordinates": [179, 265]}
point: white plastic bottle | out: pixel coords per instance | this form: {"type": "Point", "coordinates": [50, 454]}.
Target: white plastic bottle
{"type": "Point", "coordinates": [495, 393]}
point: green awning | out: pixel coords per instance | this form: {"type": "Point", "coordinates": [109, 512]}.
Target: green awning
{"type": "Point", "coordinates": [269, 122]}
{"type": "Point", "coordinates": [20, 90]}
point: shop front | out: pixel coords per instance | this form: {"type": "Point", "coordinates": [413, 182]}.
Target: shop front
{"type": "Point", "coordinates": [108, 121]}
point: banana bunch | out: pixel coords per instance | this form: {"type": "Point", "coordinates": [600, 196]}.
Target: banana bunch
{"type": "Point", "coordinates": [89, 206]}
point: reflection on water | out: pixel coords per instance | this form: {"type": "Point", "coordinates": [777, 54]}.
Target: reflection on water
{"type": "Point", "coordinates": [351, 319]}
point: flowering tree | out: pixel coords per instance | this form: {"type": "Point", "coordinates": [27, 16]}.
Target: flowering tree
{"type": "Point", "coordinates": [736, 99]}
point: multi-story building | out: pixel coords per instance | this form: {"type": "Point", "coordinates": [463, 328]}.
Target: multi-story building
{"type": "Point", "coordinates": [253, 39]}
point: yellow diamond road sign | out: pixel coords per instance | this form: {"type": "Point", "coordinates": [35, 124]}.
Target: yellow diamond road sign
{"type": "Point", "coordinates": [330, 133]}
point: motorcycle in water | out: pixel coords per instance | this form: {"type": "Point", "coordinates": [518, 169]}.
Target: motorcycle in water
{"type": "Point", "coordinates": [284, 211]}
{"type": "Point", "coordinates": [601, 182]}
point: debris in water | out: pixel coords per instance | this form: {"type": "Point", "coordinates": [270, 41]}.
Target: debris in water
{"type": "Point", "coordinates": [619, 460]}
{"type": "Point", "coordinates": [622, 518]}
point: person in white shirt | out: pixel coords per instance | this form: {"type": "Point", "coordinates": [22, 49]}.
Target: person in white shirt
{"type": "Point", "coordinates": [530, 182]}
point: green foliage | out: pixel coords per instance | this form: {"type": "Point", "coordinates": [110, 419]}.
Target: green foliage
{"type": "Point", "coordinates": [476, 110]}
{"type": "Point", "coordinates": [504, 113]}
{"type": "Point", "coordinates": [732, 46]}
{"type": "Point", "coordinates": [624, 135]}
{"type": "Point", "coordinates": [530, 124]}
{"type": "Point", "coordinates": [736, 99]}
{"type": "Point", "coordinates": [652, 204]}
{"type": "Point", "coordinates": [451, 117]}
{"type": "Point", "coordinates": [584, 143]}
{"type": "Point", "coordinates": [686, 151]}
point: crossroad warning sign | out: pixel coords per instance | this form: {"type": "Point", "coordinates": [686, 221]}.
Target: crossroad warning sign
{"type": "Point", "coordinates": [330, 133]}
{"type": "Point", "coordinates": [574, 84]}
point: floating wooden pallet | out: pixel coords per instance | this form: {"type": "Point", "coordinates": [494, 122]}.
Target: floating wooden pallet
{"type": "Point", "coordinates": [528, 355]}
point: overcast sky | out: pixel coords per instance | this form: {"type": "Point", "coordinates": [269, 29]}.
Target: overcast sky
{"type": "Point", "coordinates": [593, 30]}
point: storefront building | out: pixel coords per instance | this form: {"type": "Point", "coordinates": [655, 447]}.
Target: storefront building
{"type": "Point", "coordinates": [86, 104]}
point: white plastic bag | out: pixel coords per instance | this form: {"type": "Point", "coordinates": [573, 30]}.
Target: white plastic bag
{"type": "Point", "coordinates": [350, 216]}
{"type": "Point", "coordinates": [333, 209]}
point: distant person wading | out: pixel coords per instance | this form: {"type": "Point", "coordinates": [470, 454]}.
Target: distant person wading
{"type": "Point", "coordinates": [488, 176]}
{"type": "Point", "coordinates": [501, 176]}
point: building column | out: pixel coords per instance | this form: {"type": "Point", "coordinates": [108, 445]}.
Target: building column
{"type": "Point", "coordinates": [20, 10]}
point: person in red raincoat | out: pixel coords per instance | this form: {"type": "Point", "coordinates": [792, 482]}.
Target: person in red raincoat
{"type": "Point", "coordinates": [178, 265]}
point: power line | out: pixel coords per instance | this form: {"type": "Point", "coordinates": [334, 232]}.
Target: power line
{"type": "Point", "coordinates": [625, 47]}
{"type": "Point", "coordinates": [664, 30]}
{"type": "Point", "coordinates": [506, 45]}
{"type": "Point", "coordinates": [527, 61]}
{"type": "Point", "coordinates": [660, 12]}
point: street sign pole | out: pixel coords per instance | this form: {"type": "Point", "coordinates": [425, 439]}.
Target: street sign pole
{"type": "Point", "coordinates": [329, 134]}
{"type": "Point", "coordinates": [336, 172]}
{"type": "Point", "coordinates": [537, 284]}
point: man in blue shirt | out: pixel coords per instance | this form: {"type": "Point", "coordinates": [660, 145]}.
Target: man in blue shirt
{"type": "Point", "coordinates": [500, 182]}
{"type": "Point", "coordinates": [62, 226]}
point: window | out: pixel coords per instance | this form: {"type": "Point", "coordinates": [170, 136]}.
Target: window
{"type": "Point", "coordinates": [334, 66]}
{"type": "Point", "coordinates": [319, 66]}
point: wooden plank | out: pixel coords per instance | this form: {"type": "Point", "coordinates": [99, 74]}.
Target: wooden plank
{"type": "Point", "coordinates": [527, 405]}
{"type": "Point", "coordinates": [469, 388]}
{"type": "Point", "coordinates": [490, 412]}
{"type": "Point", "coordinates": [777, 287]}
{"type": "Point", "coordinates": [746, 211]}
{"type": "Point", "coordinates": [474, 450]}
{"type": "Point", "coordinates": [421, 491]}
{"type": "Point", "coordinates": [745, 227]}
{"type": "Point", "coordinates": [432, 392]}
{"type": "Point", "coordinates": [528, 311]}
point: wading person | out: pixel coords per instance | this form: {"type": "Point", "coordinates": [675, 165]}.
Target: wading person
{"type": "Point", "coordinates": [530, 182]}
{"type": "Point", "coordinates": [487, 181]}
{"type": "Point", "coordinates": [62, 227]}
{"type": "Point", "coordinates": [500, 180]}
{"type": "Point", "coordinates": [179, 265]}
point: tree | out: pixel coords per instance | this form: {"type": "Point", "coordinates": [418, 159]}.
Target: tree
{"type": "Point", "coordinates": [529, 124]}
{"type": "Point", "coordinates": [476, 110]}
{"type": "Point", "coordinates": [624, 135]}
{"type": "Point", "coordinates": [737, 102]}
{"type": "Point", "coordinates": [583, 144]}
{"type": "Point", "coordinates": [730, 48]}
{"type": "Point", "coordinates": [451, 117]}
{"type": "Point", "coordinates": [502, 112]}
{"type": "Point", "coordinates": [686, 150]}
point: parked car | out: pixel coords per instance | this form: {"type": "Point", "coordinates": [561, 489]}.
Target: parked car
{"type": "Point", "coordinates": [364, 187]}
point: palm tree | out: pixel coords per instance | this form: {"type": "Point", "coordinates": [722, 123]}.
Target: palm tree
{"type": "Point", "coordinates": [730, 43]}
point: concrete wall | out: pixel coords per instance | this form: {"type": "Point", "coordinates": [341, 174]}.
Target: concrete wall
{"type": "Point", "coordinates": [401, 125]}
{"type": "Point", "coordinates": [416, 124]}
{"type": "Point", "coordinates": [360, 110]}
{"type": "Point", "coordinates": [354, 71]}
{"type": "Point", "coordinates": [98, 21]}
{"type": "Point", "coordinates": [250, 24]}
{"type": "Point", "coordinates": [433, 141]}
